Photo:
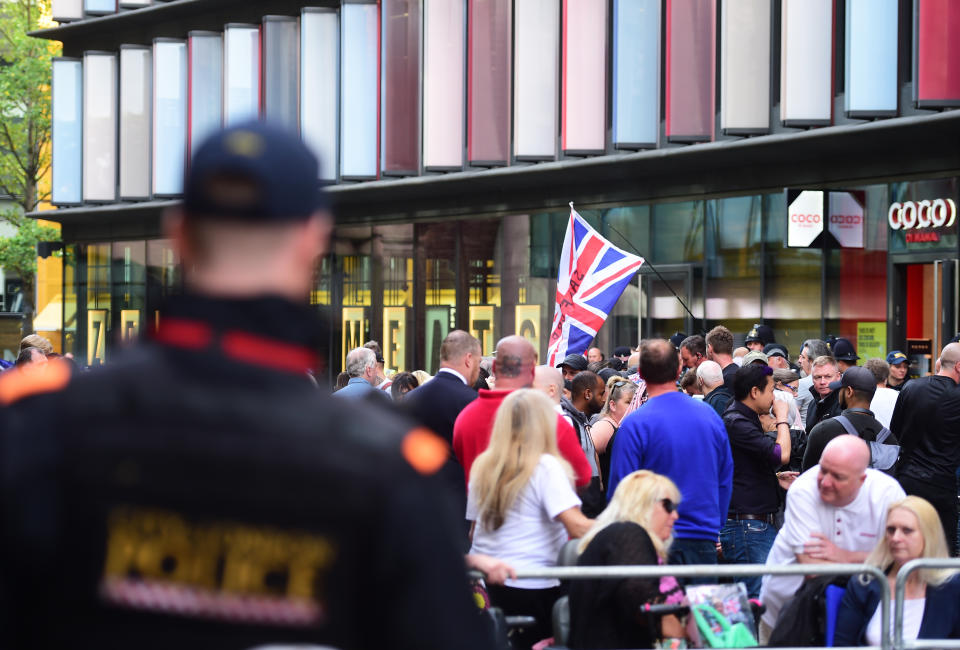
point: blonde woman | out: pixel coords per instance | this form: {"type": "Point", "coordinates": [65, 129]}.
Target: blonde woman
{"type": "Point", "coordinates": [932, 605]}
{"type": "Point", "coordinates": [523, 506]}
{"type": "Point", "coordinates": [635, 528]}
{"type": "Point", "coordinates": [620, 392]}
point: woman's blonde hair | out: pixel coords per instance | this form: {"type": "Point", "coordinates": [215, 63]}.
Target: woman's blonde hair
{"type": "Point", "coordinates": [634, 500]}
{"type": "Point", "coordinates": [616, 387]}
{"type": "Point", "coordinates": [524, 430]}
{"type": "Point", "coordinates": [934, 542]}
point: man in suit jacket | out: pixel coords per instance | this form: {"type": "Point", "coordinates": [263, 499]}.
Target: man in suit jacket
{"type": "Point", "coordinates": [437, 403]}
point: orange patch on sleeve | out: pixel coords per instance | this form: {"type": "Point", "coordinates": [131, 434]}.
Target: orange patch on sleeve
{"type": "Point", "coordinates": [18, 383]}
{"type": "Point", "coordinates": [425, 451]}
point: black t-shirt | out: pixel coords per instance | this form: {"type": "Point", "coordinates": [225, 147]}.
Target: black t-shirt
{"type": "Point", "coordinates": [926, 420]}
{"type": "Point", "coordinates": [898, 387]}
{"type": "Point", "coordinates": [863, 422]}
{"type": "Point", "coordinates": [729, 372]}
{"type": "Point", "coordinates": [755, 487]}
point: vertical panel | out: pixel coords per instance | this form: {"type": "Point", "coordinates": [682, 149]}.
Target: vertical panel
{"type": "Point", "coordinates": [134, 4]}
{"type": "Point", "coordinates": [444, 59]}
{"type": "Point", "coordinates": [320, 85]}
{"type": "Point", "coordinates": [66, 116]}
{"type": "Point", "coordinates": [871, 58]}
{"type": "Point", "coordinates": [488, 89]}
{"type": "Point", "coordinates": [66, 10]}
{"type": "Point", "coordinates": [241, 75]}
{"type": "Point", "coordinates": [100, 7]}
{"type": "Point", "coordinates": [636, 73]}
{"type": "Point", "coordinates": [584, 76]}
{"type": "Point", "coordinates": [136, 87]}
{"type": "Point", "coordinates": [806, 62]}
{"type": "Point", "coordinates": [281, 71]}
{"type": "Point", "coordinates": [690, 69]}
{"type": "Point", "coordinates": [359, 93]}
{"type": "Point", "coordinates": [536, 79]}
{"type": "Point", "coordinates": [400, 87]}
{"type": "Point", "coordinates": [936, 53]}
{"type": "Point", "coordinates": [99, 126]}
{"type": "Point", "coordinates": [205, 90]}
{"type": "Point", "coordinates": [745, 66]}
{"type": "Point", "coordinates": [169, 115]}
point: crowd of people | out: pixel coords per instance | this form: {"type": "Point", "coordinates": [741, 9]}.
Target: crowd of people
{"type": "Point", "coordinates": [689, 451]}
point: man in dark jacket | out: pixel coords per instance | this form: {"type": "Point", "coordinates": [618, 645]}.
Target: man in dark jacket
{"type": "Point", "coordinates": [749, 531]}
{"type": "Point", "coordinates": [586, 398]}
{"type": "Point", "coordinates": [711, 381]}
{"type": "Point", "coordinates": [854, 392]}
{"type": "Point", "coordinates": [825, 403]}
{"type": "Point", "coordinates": [201, 493]}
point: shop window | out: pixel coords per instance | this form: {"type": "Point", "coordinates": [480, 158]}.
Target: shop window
{"type": "Point", "coordinates": [628, 228]}
{"type": "Point", "coordinates": [734, 259]}
{"type": "Point", "coordinates": [70, 303]}
{"type": "Point", "coordinates": [436, 256]}
{"type": "Point", "coordinates": [164, 278]}
{"type": "Point", "coordinates": [677, 232]}
{"type": "Point", "coordinates": [97, 310]}
{"type": "Point", "coordinates": [393, 253]}
{"type": "Point", "coordinates": [128, 289]}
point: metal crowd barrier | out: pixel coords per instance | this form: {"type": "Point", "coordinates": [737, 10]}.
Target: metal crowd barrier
{"type": "Point", "coordinates": [901, 585]}
{"type": "Point", "coordinates": [733, 571]}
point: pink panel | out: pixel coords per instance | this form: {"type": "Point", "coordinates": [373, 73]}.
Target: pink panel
{"type": "Point", "coordinates": [488, 71]}
{"type": "Point", "coordinates": [938, 52]}
{"type": "Point", "coordinates": [584, 76]}
{"type": "Point", "coordinates": [690, 69]}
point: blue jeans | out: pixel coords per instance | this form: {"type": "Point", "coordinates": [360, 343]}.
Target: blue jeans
{"type": "Point", "coordinates": [693, 551]}
{"type": "Point", "coordinates": [747, 542]}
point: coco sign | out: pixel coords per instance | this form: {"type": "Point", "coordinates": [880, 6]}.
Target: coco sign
{"type": "Point", "coordinates": [918, 215]}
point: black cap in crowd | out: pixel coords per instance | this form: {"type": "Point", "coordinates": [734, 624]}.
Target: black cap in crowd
{"type": "Point", "coordinates": [775, 350]}
{"type": "Point", "coordinates": [279, 170]}
{"type": "Point", "coordinates": [677, 339]}
{"type": "Point", "coordinates": [576, 361]}
{"type": "Point", "coordinates": [762, 333]}
{"type": "Point", "coordinates": [621, 351]}
{"type": "Point", "coordinates": [843, 350]}
{"type": "Point", "coordinates": [858, 378]}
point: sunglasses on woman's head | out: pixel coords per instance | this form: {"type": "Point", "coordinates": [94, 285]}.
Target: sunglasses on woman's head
{"type": "Point", "coordinates": [668, 505]}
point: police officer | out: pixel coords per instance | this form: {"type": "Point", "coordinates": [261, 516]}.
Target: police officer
{"type": "Point", "coordinates": [200, 492]}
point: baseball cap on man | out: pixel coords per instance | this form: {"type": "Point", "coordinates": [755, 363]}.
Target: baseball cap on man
{"type": "Point", "coordinates": [896, 357]}
{"type": "Point", "coordinates": [253, 172]}
{"type": "Point", "coordinates": [858, 378]}
{"type": "Point", "coordinates": [575, 361]}
{"type": "Point", "coordinates": [621, 351]}
{"type": "Point", "coordinates": [754, 355]}
{"type": "Point", "coordinates": [843, 350]}
{"type": "Point", "coordinates": [775, 350]}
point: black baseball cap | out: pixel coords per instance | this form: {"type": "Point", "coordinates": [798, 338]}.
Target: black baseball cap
{"type": "Point", "coordinates": [775, 350]}
{"type": "Point", "coordinates": [281, 172]}
{"type": "Point", "coordinates": [621, 351]}
{"type": "Point", "coordinates": [843, 350]}
{"type": "Point", "coordinates": [677, 339]}
{"type": "Point", "coordinates": [858, 378]}
{"type": "Point", "coordinates": [575, 361]}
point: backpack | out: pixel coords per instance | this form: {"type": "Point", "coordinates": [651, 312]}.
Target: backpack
{"type": "Point", "coordinates": [882, 456]}
{"type": "Point", "coordinates": [803, 619]}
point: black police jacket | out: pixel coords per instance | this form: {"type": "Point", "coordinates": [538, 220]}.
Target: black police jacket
{"type": "Point", "coordinates": [203, 493]}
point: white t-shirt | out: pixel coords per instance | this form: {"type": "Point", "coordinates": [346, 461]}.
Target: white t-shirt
{"type": "Point", "coordinates": [530, 537]}
{"type": "Point", "coordinates": [882, 405]}
{"type": "Point", "coordinates": [855, 527]}
{"type": "Point", "coordinates": [912, 618]}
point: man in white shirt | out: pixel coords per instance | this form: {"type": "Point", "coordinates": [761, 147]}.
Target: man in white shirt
{"type": "Point", "coordinates": [885, 399]}
{"type": "Point", "coordinates": [836, 512]}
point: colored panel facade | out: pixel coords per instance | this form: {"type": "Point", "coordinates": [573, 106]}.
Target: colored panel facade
{"type": "Point", "coordinates": [936, 53]}
{"type": "Point", "coordinates": [99, 126]}
{"type": "Point", "coordinates": [488, 74]}
{"type": "Point", "coordinates": [100, 7]}
{"type": "Point", "coordinates": [444, 56]}
{"type": "Point", "coordinates": [400, 87]}
{"type": "Point", "coordinates": [806, 62]}
{"type": "Point", "coordinates": [584, 76]}
{"type": "Point", "coordinates": [136, 124]}
{"type": "Point", "coordinates": [241, 74]}
{"type": "Point", "coordinates": [320, 85]}
{"type": "Point", "coordinates": [66, 116]}
{"type": "Point", "coordinates": [206, 86]}
{"type": "Point", "coordinates": [871, 58]}
{"type": "Point", "coordinates": [169, 115]}
{"type": "Point", "coordinates": [359, 91]}
{"type": "Point", "coordinates": [536, 79]}
{"type": "Point", "coordinates": [64, 11]}
{"type": "Point", "coordinates": [636, 73]}
{"type": "Point", "coordinates": [745, 66]}
{"type": "Point", "coordinates": [281, 71]}
{"type": "Point", "coordinates": [690, 69]}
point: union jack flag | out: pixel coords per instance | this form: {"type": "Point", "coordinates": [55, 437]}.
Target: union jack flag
{"type": "Point", "coordinates": [593, 273]}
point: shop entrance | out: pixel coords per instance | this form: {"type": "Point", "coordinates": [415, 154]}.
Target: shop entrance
{"type": "Point", "coordinates": [926, 311]}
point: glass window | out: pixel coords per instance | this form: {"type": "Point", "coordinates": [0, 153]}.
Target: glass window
{"type": "Point", "coordinates": [626, 227]}
{"type": "Point", "coordinates": [734, 257]}
{"type": "Point", "coordinates": [479, 245]}
{"type": "Point", "coordinates": [164, 278]}
{"type": "Point", "coordinates": [437, 256]}
{"type": "Point", "coordinates": [677, 232]}
{"type": "Point", "coordinates": [394, 255]}
{"type": "Point", "coordinates": [71, 279]}
{"type": "Point", "coordinates": [128, 289]}
{"type": "Point", "coordinates": [97, 312]}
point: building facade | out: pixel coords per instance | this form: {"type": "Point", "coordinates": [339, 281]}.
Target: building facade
{"type": "Point", "coordinates": [792, 162]}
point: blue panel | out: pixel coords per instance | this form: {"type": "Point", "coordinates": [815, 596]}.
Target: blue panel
{"type": "Point", "coordinates": [100, 6]}
{"type": "Point", "coordinates": [169, 116]}
{"type": "Point", "coordinates": [871, 57]}
{"type": "Point", "coordinates": [67, 114]}
{"type": "Point", "coordinates": [358, 110]}
{"type": "Point", "coordinates": [636, 72]}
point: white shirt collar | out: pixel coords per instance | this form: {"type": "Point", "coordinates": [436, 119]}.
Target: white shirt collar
{"type": "Point", "coordinates": [455, 374]}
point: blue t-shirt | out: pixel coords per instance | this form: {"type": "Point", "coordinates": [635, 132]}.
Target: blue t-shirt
{"type": "Point", "coordinates": [685, 440]}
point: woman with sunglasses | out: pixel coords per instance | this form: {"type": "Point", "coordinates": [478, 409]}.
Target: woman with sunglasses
{"type": "Point", "coordinates": [620, 392]}
{"type": "Point", "coordinates": [635, 528]}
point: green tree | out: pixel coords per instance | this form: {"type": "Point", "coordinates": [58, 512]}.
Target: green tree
{"type": "Point", "coordinates": [18, 253]}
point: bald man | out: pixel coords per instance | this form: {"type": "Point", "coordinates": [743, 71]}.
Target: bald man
{"type": "Point", "coordinates": [926, 420]}
{"type": "Point", "coordinates": [836, 512]}
{"type": "Point", "coordinates": [514, 367]}
{"type": "Point", "coordinates": [549, 380]}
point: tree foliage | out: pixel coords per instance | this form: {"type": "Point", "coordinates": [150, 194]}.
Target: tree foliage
{"type": "Point", "coordinates": [18, 253]}
{"type": "Point", "coordinates": [25, 70]}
